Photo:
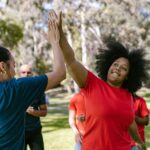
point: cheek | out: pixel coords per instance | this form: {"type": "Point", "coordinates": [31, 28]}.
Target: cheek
{"type": "Point", "coordinates": [12, 70]}
{"type": "Point", "coordinates": [125, 75]}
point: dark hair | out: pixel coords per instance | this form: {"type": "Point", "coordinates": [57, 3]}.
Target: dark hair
{"type": "Point", "coordinates": [139, 66]}
{"type": "Point", "coordinates": [4, 54]}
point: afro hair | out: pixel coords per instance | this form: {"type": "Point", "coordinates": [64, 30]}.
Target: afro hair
{"type": "Point", "coordinates": [139, 66]}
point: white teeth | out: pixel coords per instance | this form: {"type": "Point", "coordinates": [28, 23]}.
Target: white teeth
{"type": "Point", "coordinates": [115, 74]}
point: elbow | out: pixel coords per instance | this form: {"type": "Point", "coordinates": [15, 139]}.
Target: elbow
{"type": "Point", "coordinates": [146, 123]}
{"type": "Point", "coordinates": [63, 75]}
{"type": "Point", "coordinates": [44, 114]}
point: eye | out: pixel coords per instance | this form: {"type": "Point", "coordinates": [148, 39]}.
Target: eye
{"type": "Point", "coordinates": [115, 64]}
{"type": "Point", "coordinates": [124, 68]}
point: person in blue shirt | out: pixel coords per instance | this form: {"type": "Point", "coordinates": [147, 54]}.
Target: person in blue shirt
{"type": "Point", "coordinates": [37, 109]}
{"type": "Point", "coordinates": [17, 94]}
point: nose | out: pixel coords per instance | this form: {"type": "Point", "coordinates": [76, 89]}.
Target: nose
{"type": "Point", "coordinates": [118, 68]}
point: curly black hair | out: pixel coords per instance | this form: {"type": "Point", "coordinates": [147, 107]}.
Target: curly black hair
{"type": "Point", "coordinates": [139, 66]}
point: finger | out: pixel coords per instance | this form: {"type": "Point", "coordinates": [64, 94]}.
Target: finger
{"type": "Point", "coordinates": [50, 25]}
{"type": "Point", "coordinates": [55, 25]}
{"type": "Point", "coordinates": [52, 15]}
{"type": "Point", "coordinates": [60, 18]}
{"type": "Point", "coordinates": [80, 140]}
{"type": "Point", "coordinates": [51, 12]}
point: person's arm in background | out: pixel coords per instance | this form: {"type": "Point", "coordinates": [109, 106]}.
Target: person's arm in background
{"type": "Point", "coordinates": [41, 112]}
{"type": "Point", "coordinates": [72, 123]}
{"type": "Point", "coordinates": [75, 68]}
{"type": "Point", "coordinates": [135, 135]}
{"type": "Point", "coordinates": [143, 117]}
{"type": "Point", "coordinates": [142, 120]}
{"type": "Point", "coordinates": [59, 71]}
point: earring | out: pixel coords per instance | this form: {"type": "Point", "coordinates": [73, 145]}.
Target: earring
{"type": "Point", "coordinates": [4, 72]}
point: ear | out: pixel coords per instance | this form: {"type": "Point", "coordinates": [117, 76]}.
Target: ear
{"type": "Point", "coordinates": [2, 67]}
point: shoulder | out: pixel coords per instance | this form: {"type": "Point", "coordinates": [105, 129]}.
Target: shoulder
{"type": "Point", "coordinates": [92, 80]}
{"type": "Point", "coordinates": [31, 80]}
{"type": "Point", "coordinates": [140, 99]}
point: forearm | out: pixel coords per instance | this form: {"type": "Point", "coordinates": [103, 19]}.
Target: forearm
{"type": "Point", "coordinates": [74, 128]}
{"type": "Point", "coordinates": [58, 62]}
{"type": "Point", "coordinates": [135, 135]}
{"type": "Point", "coordinates": [72, 121]}
{"type": "Point", "coordinates": [142, 120]}
{"type": "Point", "coordinates": [66, 49]}
{"type": "Point", "coordinates": [38, 113]}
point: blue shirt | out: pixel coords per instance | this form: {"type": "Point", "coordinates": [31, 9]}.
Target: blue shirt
{"type": "Point", "coordinates": [33, 123]}
{"type": "Point", "coordinates": [15, 97]}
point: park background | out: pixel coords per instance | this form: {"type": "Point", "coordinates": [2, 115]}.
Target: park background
{"type": "Point", "coordinates": [88, 24]}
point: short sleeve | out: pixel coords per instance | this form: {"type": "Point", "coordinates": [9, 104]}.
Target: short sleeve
{"type": "Point", "coordinates": [143, 108]}
{"type": "Point", "coordinates": [91, 82]}
{"type": "Point", "coordinates": [42, 100]}
{"type": "Point", "coordinates": [31, 87]}
{"type": "Point", "coordinates": [72, 104]}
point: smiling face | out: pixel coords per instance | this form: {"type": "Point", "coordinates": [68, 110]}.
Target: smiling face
{"type": "Point", "coordinates": [118, 72]}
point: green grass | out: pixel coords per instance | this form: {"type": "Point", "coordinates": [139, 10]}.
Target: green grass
{"type": "Point", "coordinates": [56, 131]}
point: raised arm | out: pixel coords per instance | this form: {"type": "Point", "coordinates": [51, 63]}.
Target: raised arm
{"type": "Point", "coordinates": [59, 71]}
{"type": "Point", "coordinates": [76, 69]}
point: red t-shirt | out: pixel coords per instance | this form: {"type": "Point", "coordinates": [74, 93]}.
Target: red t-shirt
{"type": "Point", "coordinates": [109, 113]}
{"type": "Point", "coordinates": [77, 104]}
{"type": "Point", "coordinates": [141, 110]}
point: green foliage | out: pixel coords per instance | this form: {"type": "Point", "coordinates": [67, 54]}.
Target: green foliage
{"type": "Point", "coordinates": [41, 66]}
{"type": "Point", "coordinates": [10, 33]}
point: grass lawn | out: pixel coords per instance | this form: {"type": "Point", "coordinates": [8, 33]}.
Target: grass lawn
{"type": "Point", "coordinates": [56, 131]}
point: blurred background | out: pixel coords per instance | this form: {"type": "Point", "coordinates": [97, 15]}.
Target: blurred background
{"type": "Point", "coordinates": [88, 24]}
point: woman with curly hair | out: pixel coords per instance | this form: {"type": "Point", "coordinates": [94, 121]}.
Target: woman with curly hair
{"type": "Point", "coordinates": [108, 98]}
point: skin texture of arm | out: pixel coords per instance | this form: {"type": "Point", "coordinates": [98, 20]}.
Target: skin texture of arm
{"type": "Point", "coordinates": [72, 124]}
{"type": "Point", "coordinates": [59, 70]}
{"type": "Point", "coordinates": [41, 112]}
{"type": "Point", "coordinates": [142, 120]}
{"type": "Point", "coordinates": [135, 135]}
{"type": "Point", "coordinates": [75, 68]}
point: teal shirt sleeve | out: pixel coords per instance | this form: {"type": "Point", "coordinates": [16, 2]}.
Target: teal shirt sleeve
{"type": "Point", "coordinates": [30, 88]}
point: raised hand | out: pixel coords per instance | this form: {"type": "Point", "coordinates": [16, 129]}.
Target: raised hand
{"type": "Point", "coordinates": [53, 32]}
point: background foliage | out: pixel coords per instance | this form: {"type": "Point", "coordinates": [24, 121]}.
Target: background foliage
{"type": "Point", "coordinates": [23, 27]}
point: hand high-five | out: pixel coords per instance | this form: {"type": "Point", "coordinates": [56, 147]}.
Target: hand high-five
{"type": "Point", "coordinates": [53, 33]}
{"type": "Point", "coordinates": [55, 17]}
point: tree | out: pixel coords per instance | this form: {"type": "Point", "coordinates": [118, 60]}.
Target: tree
{"type": "Point", "coordinates": [10, 33]}
{"type": "Point", "coordinates": [105, 19]}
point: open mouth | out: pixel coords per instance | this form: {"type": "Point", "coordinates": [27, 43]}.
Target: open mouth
{"type": "Point", "coordinates": [115, 74]}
